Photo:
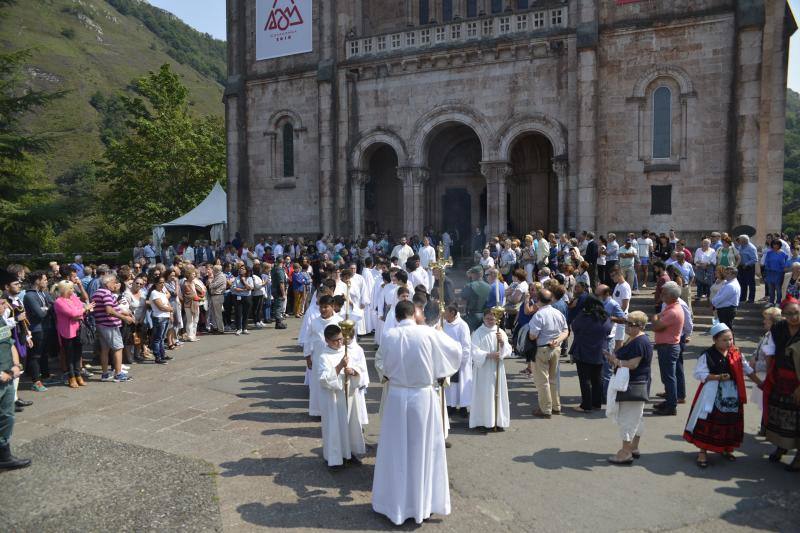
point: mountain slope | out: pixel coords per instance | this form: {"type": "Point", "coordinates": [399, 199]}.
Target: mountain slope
{"type": "Point", "coordinates": [88, 46]}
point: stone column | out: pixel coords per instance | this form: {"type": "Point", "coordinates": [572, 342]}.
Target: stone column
{"type": "Point", "coordinates": [413, 179]}
{"type": "Point", "coordinates": [560, 166]}
{"type": "Point", "coordinates": [587, 96]}
{"type": "Point", "coordinates": [358, 183]}
{"type": "Point", "coordinates": [496, 173]}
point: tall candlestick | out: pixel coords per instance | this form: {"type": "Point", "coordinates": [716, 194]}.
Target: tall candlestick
{"type": "Point", "coordinates": [497, 291]}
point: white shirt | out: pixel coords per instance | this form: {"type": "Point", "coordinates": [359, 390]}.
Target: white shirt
{"type": "Point", "coordinates": [487, 262]}
{"type": "Point", "coordinates": [709, 257]}
{"type": "Point", "coordinates": [645, 245]}
{"type": "Point", "coordinates": [161, 297]}
{"type": "Point", "coordinates": [622, 292]}
{"type": "Point", "coordinates": [427, 255]}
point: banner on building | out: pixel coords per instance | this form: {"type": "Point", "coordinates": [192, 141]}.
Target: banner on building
{"type": "Point", "coordinates": [283, 28]}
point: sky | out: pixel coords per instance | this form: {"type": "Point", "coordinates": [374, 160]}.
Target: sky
{"type": "Point", "coordinates": [208, 16]}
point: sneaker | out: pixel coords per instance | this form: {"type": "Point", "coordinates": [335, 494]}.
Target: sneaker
{"type": "Point", "coordinates": [85, 373]}
{"type": "Point", "coordinates": [178, 342]}
{"type": "Point", "coordinates": [38, 387]}
{"type": "Point", "coordinates": [107, 376]}
{"type": "Point", "coordinates": [238, 332]}
{"type": "Point", "coordinates": [161, 361]}
{"type": "Point", "coordinates": [122, 377]}
{"type": "Point", "coordinates": [125, 368]}
{"type": "Point", "coordinates": [245, 332]}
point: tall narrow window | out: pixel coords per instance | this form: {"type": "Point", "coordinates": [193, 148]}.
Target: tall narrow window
{"type": "Point", "coordinates": [662, 123]}
{"type": "Point", "coordinates": [447, 10]}
{"type": "Point", "coordinates": [522, 4]}
{"type": "Point", "coordinates": [472, 8]}
{"type": "Point", "coordinates": [497, 6]}
{"type": "Point", "coordinates": [424, 12]}
{"type": "Point", "coordinates": [288, 150]}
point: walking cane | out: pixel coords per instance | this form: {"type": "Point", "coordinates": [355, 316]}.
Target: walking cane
{"type": "Point", "coordinates": [499, 313]}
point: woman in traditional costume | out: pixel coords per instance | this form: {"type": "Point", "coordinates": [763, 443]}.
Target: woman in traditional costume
{"type": "Point", "coordinates": [782, 386]}
{"type": "Point", "coordinates": [716, 421]}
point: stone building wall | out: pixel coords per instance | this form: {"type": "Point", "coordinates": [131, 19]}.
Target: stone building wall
{"type": "Point", "coordinates": [585, 83]}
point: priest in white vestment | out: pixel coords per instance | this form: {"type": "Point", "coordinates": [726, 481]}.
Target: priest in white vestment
{"type": "Point", "coordinates": [411, 467]}
{"type": "Point", "coordinates": [313, 347]}
{"type": "Point", "coordinates": [419, 276]}
{"type": "Point", "coordinates": [487, 360]}
{"type": "Point", "coordinates": [369, 275]}
{"type": "Point", "coordinates": [427, 255]}
{"type": "Point", "coordinates": [459, 393]}
{"type": "Point", "coordinates": [342, 436]}
{"type": "Point", "coordinates": [402, 252]}
{"type": "Point", "coordinates": [378, 303]}
{"type": "Point", "coordinates": [359, 297]}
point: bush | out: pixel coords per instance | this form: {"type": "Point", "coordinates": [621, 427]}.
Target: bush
{"type": "Point", "coordinates": [69, 33]}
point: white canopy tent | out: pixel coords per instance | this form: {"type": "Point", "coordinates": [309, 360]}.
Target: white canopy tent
{"type": "Point", "coordinates": [210, 213]}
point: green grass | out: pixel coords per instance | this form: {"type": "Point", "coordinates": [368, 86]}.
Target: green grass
{"type": "Point", "coordinates": [83, 64]}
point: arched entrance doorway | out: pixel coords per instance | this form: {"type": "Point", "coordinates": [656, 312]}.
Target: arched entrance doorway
{"type": "Point", "coordinates": [532, 185]}
{"type": "Point", "coordinates": [383, 195]}
{"type": "Point", "coordinates": [455, 185]}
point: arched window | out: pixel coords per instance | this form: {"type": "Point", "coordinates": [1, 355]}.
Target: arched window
{"type": "Point", "coordinates": [497, 6]}
{"type": "Point", "coordinates": [288, 150]}
{"type": "Point", "coordinates": [662, 123]}
{"type": "Point", "coordinates": [472, 8]}
{"type": "Point", "coordinates": [424, 12]}
{"type": "Point", "coordinates": [447, 10]}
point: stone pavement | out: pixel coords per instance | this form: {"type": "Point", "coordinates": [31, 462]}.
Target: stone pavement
{"type": "Point", "coordinates": [220, 439]}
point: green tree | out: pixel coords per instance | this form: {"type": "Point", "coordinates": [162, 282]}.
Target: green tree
{"type": "Point", "coordinates": [165, 164]}
{"type": "Point", "coordinates": [27, 204]}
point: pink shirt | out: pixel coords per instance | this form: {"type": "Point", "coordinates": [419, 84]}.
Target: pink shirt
{"type": "Point", "coordinates": [672, 317]}
{"type": "Point", "coordinates": [69, 312]}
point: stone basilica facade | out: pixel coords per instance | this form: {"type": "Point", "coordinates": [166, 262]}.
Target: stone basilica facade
{"type": "Point", "coordinates": [610, 115]}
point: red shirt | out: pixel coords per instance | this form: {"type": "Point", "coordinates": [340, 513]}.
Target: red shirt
{"type": "Point", "coordinates": [672, 317]}
{"type": "Point", "coordinates": [662, 279]}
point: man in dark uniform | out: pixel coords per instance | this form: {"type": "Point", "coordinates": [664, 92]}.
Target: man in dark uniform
{"type": "Point", "coordinates": [9, 370]}
{"type": "Point", "coordinates": [475, 293]}
{"type": "Point", "coordinates": [279, 290]}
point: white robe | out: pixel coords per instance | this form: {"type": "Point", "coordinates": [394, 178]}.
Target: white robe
{"type": "Point", "coordinates": [341, 430]}
{"type": "Point", "coordinates": [377, 307]}
{"type": "Point", "coordinates": [359, 298]}
{"type": "Point", "coordinates": [313, 347]}
{"type": "Point", "coordinates": [384, 382]}
{"type": "Point", "coordinates": [369, 312]}
{"type": "Point", "coordinates": [422, 277]}
{"type": "Point", "coordinates": [311, 313]}
{"type": "Point", "coordinates": [359, 361]}
{"type": "Point", "coordinates": [481, 414]}
{"type": "Point", "coordinates": [427, 255]}
{"type": "Point", "coordinates": [402, 252]}
{"type": "Point", "coordinates": [411, 467]}
{"type": "Point", "coordinates": [460, 394]}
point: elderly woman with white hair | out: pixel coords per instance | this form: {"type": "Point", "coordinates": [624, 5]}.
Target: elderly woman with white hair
{"type": "Point", "coordinates": [705, 261]}
{"type": "Point", "coordinates": [70, 311]}
{"type": "Point", "coordinates": [793, 282]}
{"type": "Point", "coordinates": [635, 355]}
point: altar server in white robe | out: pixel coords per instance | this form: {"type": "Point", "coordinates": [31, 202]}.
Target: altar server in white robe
{"type": "Point", "coordinates": [358, 360]}
{"type": "Point", "coordinates": [342, 436]}
{"type": "Point", "coordinates": [326, 287]}
{"type": "Point", "coordinates": [411, 467]}
{"type": "Point", "coordinates": [313, 347]}
{"type": "Point", "coordinates": [427, 312]}
{"type": "Point", "coordinates": [368, 273]}
{"type": "Point", "coordinates": [459, 393]}
{"type": "Point", "coordinates": [359, 297]}
{"type": "Point", "coordinates": [403, 294]}
{"type": "Point", "coordinates": [427, 255]}
{"type": "Point", "coordinates": [378, 303]}
{"type": "Point", "coordinates": [417, 275]}
{"type": "Point", "coordinates": [485, 356]}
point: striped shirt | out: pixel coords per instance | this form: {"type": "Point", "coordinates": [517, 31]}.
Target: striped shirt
{"type": "Point", "coordinates": [101, 298]}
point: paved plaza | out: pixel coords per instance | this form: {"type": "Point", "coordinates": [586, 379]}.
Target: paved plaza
{"type": "Point", "coordinates": [220, 439]}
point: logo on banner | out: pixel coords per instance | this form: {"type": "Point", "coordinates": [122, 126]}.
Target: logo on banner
{"type": "Point", "coordinates": [281, 18]}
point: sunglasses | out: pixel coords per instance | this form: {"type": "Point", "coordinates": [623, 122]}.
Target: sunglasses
{"type": "Point", "coordinates": [632, 325]}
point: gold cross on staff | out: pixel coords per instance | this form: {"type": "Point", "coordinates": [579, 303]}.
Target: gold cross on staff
{"type": "Point", "coordinates": [441, 264]}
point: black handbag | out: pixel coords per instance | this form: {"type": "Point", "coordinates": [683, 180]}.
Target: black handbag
{"type": "Point", "coordinates": [637, 392]}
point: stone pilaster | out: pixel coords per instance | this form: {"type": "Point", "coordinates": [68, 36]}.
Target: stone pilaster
{"type": "Point", "coordinates": [587, 37]}
{"type": "Point", "coordinates": [496, 174]}
{"type": "Point", "coordinates": [358, 183]}
{"type": "Point", "coordinates": [560, 167]}
{"type": "Point", "coordinates": [413, 179]}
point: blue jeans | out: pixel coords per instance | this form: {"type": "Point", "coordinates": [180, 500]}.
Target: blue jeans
{"type": "Point", "coordinates": [774, 293]}
{"type": "Point", "coordinates": [679, 375]}
{"type": "Point", "coordinates": [160, 326]}
{"type": "Point", "coordinates": [668, 357]}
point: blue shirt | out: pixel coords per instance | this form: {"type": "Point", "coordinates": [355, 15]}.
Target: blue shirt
{"type": "Point", "coordinates": [613, 310]}
{"type": "Point", "coordinates": [686, 269]}
{"type": "Point", "coordinates": [78, 269]}
{"type": "Point", "coordinates": [612, 251]}
{"type": "Point", "coordinates": [491, 301]}
{"type": "Point", "coordinates": [728, 295]}
{"type": "Point", "coordinates": [748, 254]}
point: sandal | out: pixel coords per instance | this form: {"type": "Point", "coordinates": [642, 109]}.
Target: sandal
{"type": "Point", "coordinates": [702, 463]}
{"type": "Point", "coordinates": [526, 371]}
{"type": "Point", "coordinates": [729, 457]}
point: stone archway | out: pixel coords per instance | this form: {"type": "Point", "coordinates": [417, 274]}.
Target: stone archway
{"type": "Point", "coordinates": [377, 193]}
{"type": "Point", "coordinates": [532, 185]}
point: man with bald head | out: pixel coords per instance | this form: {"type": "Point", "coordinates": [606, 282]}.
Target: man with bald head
{"type": "Point", "coordinates": [548, 329]}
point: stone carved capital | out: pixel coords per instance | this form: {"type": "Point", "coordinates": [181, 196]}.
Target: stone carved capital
{"type": "Point", "coordinates": [413, 176]}
{"type": "Point", "coordinates": [560, 167]}
{"type": "Point", "coordinates": [359, 177]}
{"type": "Point", "coordinates": [495, 171]}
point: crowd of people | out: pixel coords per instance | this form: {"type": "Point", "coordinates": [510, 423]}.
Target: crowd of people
{"type": "Point", "coordinates": [524, 296]}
